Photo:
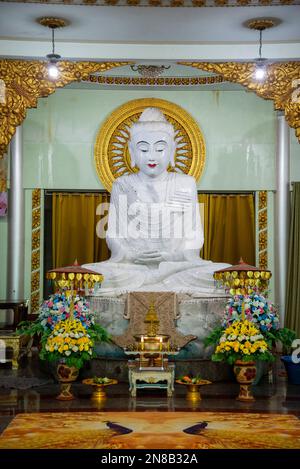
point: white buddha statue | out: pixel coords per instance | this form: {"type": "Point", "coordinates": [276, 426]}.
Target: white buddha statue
{"type": "Point", "coordinates": [154, 227]}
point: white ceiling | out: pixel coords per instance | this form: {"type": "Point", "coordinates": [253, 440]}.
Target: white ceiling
{"type": "Point", "coordinates": [139, 33]}
{"type": "Point", "coordinates": [155, 25]}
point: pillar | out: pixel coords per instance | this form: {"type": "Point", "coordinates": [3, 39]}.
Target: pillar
{"type": "Point", "coordinates": [16, 221]}
{"type": "Point", "coordinates": [282, 211]}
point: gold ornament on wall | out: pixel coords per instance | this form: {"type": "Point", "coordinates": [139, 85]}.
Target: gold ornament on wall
{"type": "Point", "coordinates": [154, 81]}
{"type": "Point", "coordinates": [27, 81]}
{"type": "Point", "coordinates": [263, 229]}
{"type": "Point", "coordinates": [111, 148]}
{"type": "Point", "coordinates": [281, 85]}
{"type": "Point", "coordinates": [35, 250]}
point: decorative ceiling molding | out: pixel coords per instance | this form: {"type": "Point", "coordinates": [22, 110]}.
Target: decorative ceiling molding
{"type": "Point", "coordinates": [165, 3]}
{"type": "Point", "coordinates": [158, 81]}
{"type": "Point", "coordinates": [281, 85]}
{"type": "Point", "coordinates": [26, 81]}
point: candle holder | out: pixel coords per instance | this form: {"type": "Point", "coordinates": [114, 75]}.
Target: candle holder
{"type": "Point", "coordinates": [151, 347]}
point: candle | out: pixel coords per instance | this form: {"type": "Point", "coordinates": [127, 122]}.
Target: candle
{"type": "Point", "coordinates": [142, 342]}
{"type": "Point", "coordinates": [160, 343]}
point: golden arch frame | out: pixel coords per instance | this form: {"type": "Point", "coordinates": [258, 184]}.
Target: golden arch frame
{"type": "Point", "coordinates": [111, 153]}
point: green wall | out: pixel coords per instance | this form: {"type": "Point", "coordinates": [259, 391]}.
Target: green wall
{"type": "Point", "coordinates": [295, 158]}
{"type": "Point", "coordinates": [238, 127]}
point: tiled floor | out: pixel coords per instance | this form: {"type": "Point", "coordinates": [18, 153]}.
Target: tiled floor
{"type": "Point", "coordinates": [278, 397]}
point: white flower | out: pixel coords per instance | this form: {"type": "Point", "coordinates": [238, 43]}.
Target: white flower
{"type": "Point", "coordinates": [67, 352]}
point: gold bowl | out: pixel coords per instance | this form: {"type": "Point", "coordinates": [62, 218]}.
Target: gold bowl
{"type": "Point", "coordinates": [99, 393]}
{"type": "Point", "coordinates": [193, 389]}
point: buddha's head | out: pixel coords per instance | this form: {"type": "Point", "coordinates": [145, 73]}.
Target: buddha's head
{"type": "Point", "coordinates": [152, 143]}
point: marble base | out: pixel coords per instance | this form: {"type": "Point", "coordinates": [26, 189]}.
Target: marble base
{"type": "Point", "coordinates": [197, 316]}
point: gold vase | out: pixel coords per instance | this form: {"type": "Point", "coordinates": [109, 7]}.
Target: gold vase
{"type": "Point", "coordinates": [245, 373]}
{"type": "Point", "coordinates": [66, 375]}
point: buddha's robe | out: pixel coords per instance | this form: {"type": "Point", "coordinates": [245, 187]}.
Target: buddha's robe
{"type": "Point", "coordinates": [155, 236]}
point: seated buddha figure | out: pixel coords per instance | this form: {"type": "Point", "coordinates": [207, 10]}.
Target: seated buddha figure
{"type": "Point", "coordinates": [154, 227]}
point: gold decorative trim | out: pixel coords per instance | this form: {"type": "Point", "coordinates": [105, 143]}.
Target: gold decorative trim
{"type": "Point", "coordinates": [52, 22]}
{"type": "Point", "coordinates": [262, 219]}
{"type": "Point", "coordinates": [263, 240]}
{"type": "Point", "coordinates": [263, 229]}
{"type": "Point", "coordinates": [155, 81]}
{"type": "Point", "coordinates": [35, 260]}
{"type": "Point", "coordinates": [35, 280]}
{"type": "Point", "coordinates": [262, 199]}
{"type": "Point", "coordinates": [36, 217]}
{"type": "Point", "coordinates": [111, 150]}
{"type": "Point", "coordinates": [35, 250]}
{"type": "Point", "coordinates": [35, 302]}
{"type": "Point", "coordinates": [166, 3]}
{"type": "Point", "coordinates": [263, 260]}
{"type": "Point", "coordinates": [260, 24]}
{"type": "Point", "coordinates": [27, 81]}
{"type": "Point", "coordinates": [281, 85]}
{"type": "Point", "coordinates": [35, 240]}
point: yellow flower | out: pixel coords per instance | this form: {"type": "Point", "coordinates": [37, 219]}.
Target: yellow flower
{"type": "Point", "coordinates": [241, 337]}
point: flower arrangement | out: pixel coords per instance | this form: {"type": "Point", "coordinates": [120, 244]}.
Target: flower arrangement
{"type": "Point", "coordinates": [242, 341]}
{"type": "Point", "coordinates": [57, 308]}
{"type": "Point", "coordinates": [69, 341]}
{"type": "Point", "coordinates": [257, 309]}
{"type": "Point", "coordinates": [67, 330]}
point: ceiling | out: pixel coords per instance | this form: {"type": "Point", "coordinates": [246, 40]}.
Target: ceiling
{"type": "Point", "coordinates": [141, 33]}
{"type": "Point", "coordinates": [144, 25]}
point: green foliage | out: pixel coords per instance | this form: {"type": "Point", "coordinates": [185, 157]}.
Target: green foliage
{"type": "Point", "coordinates": [214, 336]}
{"type": "Point", "coordinates": [286, 336]}
{"type": "Point", "coordinates": [31, 328]}
{"type": "Point", "coordinates": [232, 357]}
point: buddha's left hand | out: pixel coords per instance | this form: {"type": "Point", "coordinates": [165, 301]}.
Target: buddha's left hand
{"type": "Point", "coordinates": [153, 257]}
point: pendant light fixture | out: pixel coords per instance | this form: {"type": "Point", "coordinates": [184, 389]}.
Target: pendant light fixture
{"type": "Point", "coordinates": [53, 58]}
{"type": "Point", "coordinates": [260, 25]}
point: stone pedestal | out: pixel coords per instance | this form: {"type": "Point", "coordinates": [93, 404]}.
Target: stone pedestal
{"type": "Point", "coordinates": [197, 316]}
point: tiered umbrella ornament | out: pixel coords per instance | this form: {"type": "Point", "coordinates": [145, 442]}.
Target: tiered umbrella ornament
{"type": "Point", "coordinates": [243, 279]}
{"type": "Point", "coordinates": [74, 278]}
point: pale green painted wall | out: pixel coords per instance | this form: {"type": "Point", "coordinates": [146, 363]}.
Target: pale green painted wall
{"type": "Point", "coordinates": [238, 127]}
{"type": "Point", "coordinates": [295, 157]}
{"type": "Point", "coordinates": [3, 256]}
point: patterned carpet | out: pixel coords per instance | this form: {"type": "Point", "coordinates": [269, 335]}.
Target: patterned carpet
{"type": "Point", "coordinates": [152, 430]}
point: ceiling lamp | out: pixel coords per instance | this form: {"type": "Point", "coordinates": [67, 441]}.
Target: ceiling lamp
{"type": "Point", "coordinates": [260, 24]}
{"type": "Point", "coordinates": [150, 71]}
{"type": "Point", "coordinates": [53, 58]}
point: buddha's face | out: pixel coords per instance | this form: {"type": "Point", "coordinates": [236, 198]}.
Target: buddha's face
{"type": "Point", "coordinates": [152, 151]}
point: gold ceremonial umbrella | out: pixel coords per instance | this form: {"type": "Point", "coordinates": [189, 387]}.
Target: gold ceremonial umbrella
{"type": "Point", "coordinates": [74, 277]}
{"type": "Point", "coordinates": [243, 279]}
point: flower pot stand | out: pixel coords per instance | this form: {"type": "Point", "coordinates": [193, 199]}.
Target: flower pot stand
{"type": "Point", "coordinates": [66, 376]}
{"type": "Point", "coordinates": [245, 373]}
